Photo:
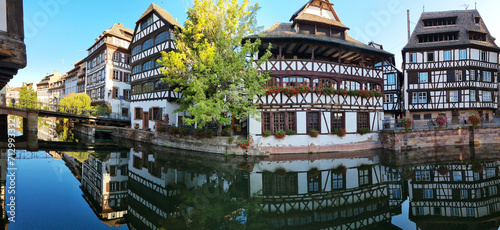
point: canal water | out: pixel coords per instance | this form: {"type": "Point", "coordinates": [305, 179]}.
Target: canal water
{"type": "Point", "coordinates": [120, 184]}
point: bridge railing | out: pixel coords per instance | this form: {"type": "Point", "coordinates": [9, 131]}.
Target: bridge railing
{"type": "Point", "coordinates": [67, 109]}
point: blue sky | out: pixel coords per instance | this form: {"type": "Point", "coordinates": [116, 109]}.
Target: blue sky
{"type": "Point", "coordinates": [58, 32]}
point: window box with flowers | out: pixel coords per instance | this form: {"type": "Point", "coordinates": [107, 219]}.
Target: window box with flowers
{"type": "Point", "coordinates": [280, 134]}
{"type": "Point", "coordinates": [363, 131]}
{"type": "Point", "coordinates": [244, 144]}
{"type": "Point", "coordinates": [280, 172]}
{"type": "Point", "coordinates": [266, 133]}
{"type": "Point", "coordinates": [313, 133]}
{"type": "Point", "coordinates": [290, 132]}
{"type": "Point", "coordinates": [340, 170]}
{"type": "Point", "coordinates": [339, 132]}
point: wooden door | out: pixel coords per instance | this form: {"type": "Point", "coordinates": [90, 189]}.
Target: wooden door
{"type": "Point", "coordinates": [145, 120]}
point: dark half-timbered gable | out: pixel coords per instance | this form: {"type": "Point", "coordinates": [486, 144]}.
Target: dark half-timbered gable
{"type": "Point", "coordinates": [451, 67]}
{"type": "Point", "coordinates": [321, 79]}
{"type": "Point", "coordinates": [153, 102]}
{"type": "Point", "coordinates": [108, 70]}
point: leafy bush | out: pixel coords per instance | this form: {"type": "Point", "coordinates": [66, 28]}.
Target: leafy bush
{"type": "Point", "coordinates": [161, 128]}
{"type": "Point", "coordinates": [199, 132]}
{"type": "Point", "coordinates": [266, 133]}
{"type": "Point", "coordinates": [237, 128]}
{"type": "Point", "coordinates": [244, 144]}
{"type": "Point", "coordinates": [228, 130]}
{"type": "Point", "coordinates": [183, 131]}
{"type": "Point", "coordinates": [209, 133]}
{"type": "Point", "coordinates": [173, 130]}
{"type": "Point", "coordinates": [363, 131]}
{"type": "Point", "coordinates": [290, 132]}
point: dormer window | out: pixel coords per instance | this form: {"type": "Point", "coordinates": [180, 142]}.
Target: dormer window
{"type": "Point", "coordinates": [147, 23]}
{"type": "Point", "coordinates": [477, 20]}
{"type": "Point", "coordinates": [440, 22]}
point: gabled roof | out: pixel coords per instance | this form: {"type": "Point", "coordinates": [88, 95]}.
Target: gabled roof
{"type": "Point", "coordinates": [303, 14]}
{"type": "Point", "coordinates": [465, 23]}
{"type": "Point", "coordinates": [120, 31]}
{"type": "Point", "coordinates": [163, 13]}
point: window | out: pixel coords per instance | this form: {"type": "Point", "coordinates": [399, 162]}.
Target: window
{"type": "Point", "coordinates": [338, 181]}
{"type": "Point", "coordinates": [464, 194]}
{"type": "Point", "coordinates": [487, 96]}
{"type": "Point", "coordinates": [428, 193]}
{"type": "Point", "coordinates": [416, 117]}
{"type": "Point", "coordinates": [112, 170]}
{"type": "Point", "coordinates": [147, 66]}
{"type": "Point", "coordinates": [447, 55]}
{"type": "Point", "coordinates": [396, 194]}
{"type": "Point", "coordinates": [391, 79]}
{"type": "Point", "coordinates": [338, 121]}
{"type": "Point", "coordinates": [278, 121]}
{"type": "Point", "coordinates": [156, 114]}
{"type": "Point", "coordinates": [126, 77]}
{"type": "Point", "coordinates": [147, 44]}
{"type": "Point", "coordinates": [463, 54]}
{"type": "Point", "coordinates": [161, 37]}
{"type": "Point", "coordinates": [313, 121]}
{"type": "Point", "coordinates": [457, 176]}
{"type": "Point", "coordinates": [147, 23]}
{"type": "Point", "coordinates": [440, 22]}
{"type": "Point", "coordinates": [123, 186]}
{"type": "Point", "coordinates": [113, 186]}
{"type": "Point", "coordinates": [472, 75]}
{"type": "Point", "coordinates": [419, 98]}
{"type": "Point", "coordinates": [454, 96]}
{"type": "Point", "coordinates": [273, 184]}
{"type": "Point", "coordinates": [430, 56]}
{"type": "Point", "coordinates": [116, 56]}
{"type": "Point", "coordinates": [454, 211]}
{"type": "Point", "coordinates": [459, 75]}
{"type": "Point", "coordinates": [136, 89]}
{"type": "Point", "coordinates": [137, 50]}
{"type": "Point", "coordinates": [124, 112]}
{"type": "Point", "coordinates": [313, 182]}
{"type": "Point", "coordinates": [427, 116]}
{"type": "Point", "coordinates": [136, 69]}
{"type": "Point", "coordinates": [295, 81]}
{"type": "Point", "coordinates": [484, 56]}
{"type": "Point", "coordinates": [470, 212]}
{"type": "Point", "coordinates": [423, 78]}
{"type": "Point", "coordinates": [126, 94]}
{"type": "Point", "coordinates": [477, 20]}
{"type": "Point", "coordinates": [363, 120]}
{"type": "Point", "coordinates": [116, 93]}
{"type": "Point", "coordinates": [147, 87]}
{"type": "Point", "coordinates": [490, 172]}
{"type": "Point", "coordinates": [389, 98]}
{"type": "Point", "coordinates": [422, 175]}
{"type": "Point", "coordinates": [438, 37]}
{"type": "Point", "coordinates": [486, 76]}
{"type": "Point", "coordinates": [116, 75]}
{"type": "Point", "coordinates": [492, 190]}
{"type": "Point", "coordinates": [413, 57]}
{"type": "Point", "coordinates": [364, 176]}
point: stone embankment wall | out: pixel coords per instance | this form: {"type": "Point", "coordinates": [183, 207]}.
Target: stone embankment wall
{"type": "Point", "coordinates": [212, 145]}
{"type": "Point", "coordinates": [400, 139]}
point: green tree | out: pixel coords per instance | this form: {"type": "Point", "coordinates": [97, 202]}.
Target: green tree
{"type": "Point", "coordinates": [213, 66]}
{"type": "Point", "coordinates": [75, 102]}
{"type": "Point", "coordinates": [28, 98]}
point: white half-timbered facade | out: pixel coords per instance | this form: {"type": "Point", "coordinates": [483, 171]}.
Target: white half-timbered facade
{"type": "Point", "coordinates": [451, 67]}
{"type": "Point", "coordinates": [152, 101]}
{"type": "Point", "coordinates": [334, 80]}
{"type": "Point", "coordinates": [105, 183]}
{"type": "Point", "coordinates": [455, 195]}
{"type": "Point", "coordinates": [107, 78]}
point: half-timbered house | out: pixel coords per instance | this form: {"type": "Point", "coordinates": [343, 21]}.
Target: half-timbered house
{"type": "Point", "coordinates": [321, 79]}
{"type": "Point", "coordinates": [105, 183]}
{"type": "Point", "coordinates": [12, 47]}
{"type": "Point", "coordinates": [108, 70]}
{"type": "Point", "coordinates": [455, 195]}
{"type": "Point", "coordinates": [451, 67]}
{"type": "Point", "coordinates": [153, 102]}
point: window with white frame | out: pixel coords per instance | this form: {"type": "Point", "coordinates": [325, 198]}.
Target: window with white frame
{"type": "Point", "coordinates": [463, 54]}
{"type": "Point", "coordinates": [484, 56]}
{"type": "Point", "coordinates": [423, 77]}
{"type": "Point", "coordinates": [396, 194]}
{"type": "Point", "coordinates": [490, 172]}
{"type": "Point", "coordinates": [486, 76]}
{"type": "Point", "coordinates": [454, 96]}
{"type": "Point", "coordinates": [413, 57]}
{"type": "Point", "coordinates": [454, 211]}
{"type": "Point", "coordinates": [472, 75]}
{"type": "Point", "coordinates": [422, 176]}
{"type": "Point", "coordinates": [419, 97]}
{"type": "Point", "coordinates": [487, 96]}
{"type": "Point", "coordinates": [472, 96]}
{"type": "Point", "coordinates": [116, 56]}
{"type": "Point", "coordinates": [447, 55]}
{"type": "Point", "coordinates": [391, 79]}
{"type": "Point", "coordinates": [428, 193]}
{"type": "Point", "coordinates": [389, 98]}
{"type": "Point", "coordinates": [459, 75]}
{"type": "Point", "coordinates": [470, 212]}
{"type": "Point", "coordinates": [492, 190]}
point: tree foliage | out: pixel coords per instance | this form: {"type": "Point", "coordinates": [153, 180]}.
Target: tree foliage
{"type": "Point", "coordinates": [76, 102]}
{"type": "Point", "coordinates": [28, 98]}
{"type": "Point", "coordinates": [212, 65]}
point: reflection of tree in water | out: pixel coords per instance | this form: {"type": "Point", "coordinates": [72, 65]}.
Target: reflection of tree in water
{"type": "Point", "coordinates": [64, 130]}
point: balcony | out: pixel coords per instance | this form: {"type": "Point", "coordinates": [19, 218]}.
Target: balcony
{"type": "Point", "coordinates": [450, 65]}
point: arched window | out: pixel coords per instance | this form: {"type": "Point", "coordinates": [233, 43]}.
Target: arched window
{"type": "Point", "coordinates": [147, 66]}
{"type": "Point", "coordinates": [160, 85]}
{"type": "Point", "coordinates": [147, 87]}
{"type": "Point", "coordinates": [147, 44]}
{"type": "Point", "coordinates": [295, 81]}
{"type": "Point", "coordinates": [136, 89]}
{"type": "Point", "coordinates": [137, 50]}
{"type": "Point", "coordinates": [273, 82]}
{"type": "Point", "coordinates": [161, 37]}
{"type": "Point", "coordinates": [324, 83]}
{"type": "Point", "coordinates": [136, 69]}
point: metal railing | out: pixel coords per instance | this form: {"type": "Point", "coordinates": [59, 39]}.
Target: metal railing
{"type": "Point", "coordinates": [396, 124]}
{"type": "Point", "coordinates": [41, 106]}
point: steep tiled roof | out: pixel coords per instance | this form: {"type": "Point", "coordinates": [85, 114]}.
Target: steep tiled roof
{"type": "Point", "coordinates": [120, 31]}
{"type": "Point", "coordinates": [465, 23]}
{"type": "Point", "coordinates": [163, 13]}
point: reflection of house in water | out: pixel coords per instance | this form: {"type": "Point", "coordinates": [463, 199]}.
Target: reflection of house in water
{"type": "Point", "coordinates": [104, 185]}
{"type": "Point", "coordinates": [455, 195]}
{"type": "Point", "coordinates": [324, 194]}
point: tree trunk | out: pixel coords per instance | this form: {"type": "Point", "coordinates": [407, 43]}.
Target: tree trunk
{"type": "Point", "coordinates": [219, 129]}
